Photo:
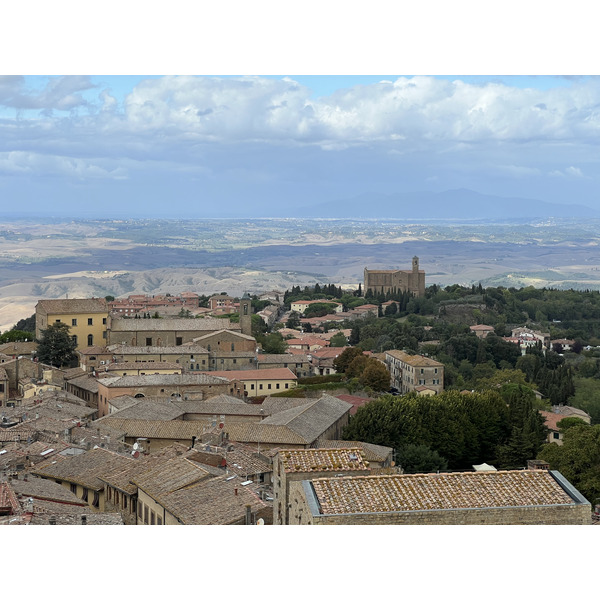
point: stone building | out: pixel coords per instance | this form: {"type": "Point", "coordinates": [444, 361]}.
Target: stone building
{"type": "Point", "coordinates": [393, 280]}
{"type": "Point", "coordinates": [298, 465]}
{"type": "Point", "coordinates": [193, 386]}
{"type": "Point", "coordinates": [530, 497]}
{"type": "Point", "coordinates": [410, 373]}
{"type": "Point", "coordinates": [163, 332]}
{"type": "Point", "coordinates": [86, 318]}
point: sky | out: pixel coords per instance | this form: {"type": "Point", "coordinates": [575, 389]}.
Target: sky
{"type": "Point", "coordinates": [248, 135]}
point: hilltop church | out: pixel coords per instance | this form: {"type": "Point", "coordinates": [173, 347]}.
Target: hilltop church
{"type": "Point", "coordinates": [412, 281]}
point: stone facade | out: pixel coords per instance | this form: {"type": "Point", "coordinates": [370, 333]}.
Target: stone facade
{"type": "Point", "coordinates": [409, 373]}
{"type": "Point", "coordinates": [383, 281]}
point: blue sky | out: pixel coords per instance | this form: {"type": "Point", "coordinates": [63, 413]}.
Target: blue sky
{"type": "Point", "coordinates": [268, 126]}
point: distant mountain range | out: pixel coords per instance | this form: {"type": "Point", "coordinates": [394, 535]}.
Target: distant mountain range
{"type": "Point", "coordinates": [459, 204]}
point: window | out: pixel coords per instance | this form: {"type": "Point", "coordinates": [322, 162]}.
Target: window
{"type": "Point", "coordinates": [139, 511]}
{"type": "Point", "coordinates": [152, 518]}
{"type": "Point", "coordinates": [103, 320]}
{"type": "Point", "coordinates": [277, 385]}
{"type": "Point", "coordinates": [286, 386]}
{"type": "Point", "coordinates": [269, 386]}
{"type": "Point", "coordinates": [74, 488]}
{"type": "Point", "coordinates": [260, 386]}
{"type": "Point", "coordinates": [73, 322]}
{"type": "Point", "coordinates": [96, 502]}
{"type": "Point", "coordinates": [90, 321]}
{"type": "Point", "coordinates": [1, 387]}
{"type": "Point", "coordinates": [124, 501]}
{"type": "Point", "coordinates": [251, 386]}
{"type": "Point", "coordinates": [178, 341]}
{"type": "Point", "coordinates": [232, 346]}
{"type": "Point", "coordinates": [104, 334]}
{"type": "Point", "coordinates": [158, 520]}
{"type": "Point", "coordinates": [57, 321]}
{"type": "Point", "coordinates": [149, 341]}
{"type": "Point", "coordinates": [556, 435]}
{"type": "Point", "coordinates": [90, 340]}
{"type": "Point", "coordinates": [146, 515]}
{"type": "Point", "coordinates": [84, 495]}
{"type": "Point", "coordinates": [234, 361]}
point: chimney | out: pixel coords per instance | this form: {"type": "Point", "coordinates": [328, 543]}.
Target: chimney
{"type": "Point", "coordinates": [235, 491]}
{"type": "Point", "coordinates": [248, 514]}
{"type": "Point", "coordinates": [52, 520]}
{"type": "Point", "coordinates": [83, 519]}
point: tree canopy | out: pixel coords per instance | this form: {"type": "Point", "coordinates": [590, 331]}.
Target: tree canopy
{"type": "Point", "coordinates": [56, 346]}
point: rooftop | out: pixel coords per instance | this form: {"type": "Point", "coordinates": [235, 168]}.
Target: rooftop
{"type": "Point", "coordinates": [415, 360]}
{"type": "Point", "coordinates": [324, 459]}
{"type": "Point", "coordinates": [73, 305]}
{"type": "Point", "coordinates": [445, 491]}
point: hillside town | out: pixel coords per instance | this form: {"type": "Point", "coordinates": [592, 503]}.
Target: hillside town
{"type": "Point", "coordinates": [291, 407]}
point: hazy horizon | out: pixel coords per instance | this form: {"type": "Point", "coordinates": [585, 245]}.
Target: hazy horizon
{"type": "Point", "coordinates": [193, 146]}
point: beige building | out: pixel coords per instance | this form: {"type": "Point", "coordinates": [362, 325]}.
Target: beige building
{"type": "Point", "coordinates": [410, 373]}
{"type": "Point", "coordinates": [80, 473]}
{"type": "Point", "coordinates": [192, 357]}
{"type": "Point", "coordinates": [393, 281]}
{"type": "Point", "coordinates": [530, 497]}
{"type": "Point", "coordinates": [261, 382]}
{"type": "Point", "coordinates": [86, 317]}
{"type": "Point", "coordinates": [193, 386]}
{"type": "Point", "coordinates": [291, 466]}
{"type": "Point", "coordinates": [164, 332]}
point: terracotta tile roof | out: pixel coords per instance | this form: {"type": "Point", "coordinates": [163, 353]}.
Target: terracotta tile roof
{"type": "Point", "coordinates": [91, 518]}
{"type": "Point", "coordinates": [155, 429]}
{"type": "Point", "coordinates": [164, 379]}
{"type": "Point", "coordinates": [8, 499]}
{"type": "Point", "coordinates": [311, 420]}
{"type": "Point", "coordinates": [73, 305]}
{"type": "Point", "coordinates": [272, 404]}
{"type": "Point", "coordinates": [327, 352]}
{"type": "Point", "coordinates": [443, 491]}
{"type": "Point", "coordinates": [84, 468]}
{"type": "Point", "coordinates": [45, 489]}
{"type": "Point", "coordinates": [324, 459]}
{"type": "Point", "coordinates": [356, 401]}
{"type": "Point", "coordinates": [154, 411]}
{"type": "Point", "coordinates": [371, 452]}
{"type": "Point", "coordinates": [213, 502]}
{"type": "Point", "coordinates": [172, 475]}
{"type": "Point", "coordinates": [86, 382]}
{"type": "Point", "coordinates": [571, 411]}
{"type": "Point", "coordinates": [259, 433]}
{"type": "Point", "coordinates": [414, 360]}
{"type": "Point", "coordinates": [551, 419]}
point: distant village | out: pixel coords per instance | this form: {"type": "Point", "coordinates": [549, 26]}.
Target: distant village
{"type": "Point", "coordinates": [174, 413]}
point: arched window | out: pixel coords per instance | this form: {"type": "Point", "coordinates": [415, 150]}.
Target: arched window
{"type": "Point", "coordinates": [90, 340]}
{"type": "Point", "coordinates": [139, 396]}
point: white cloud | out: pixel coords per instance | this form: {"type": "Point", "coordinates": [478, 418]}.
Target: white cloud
{"type": "Point", "coordinates": [40, 165]}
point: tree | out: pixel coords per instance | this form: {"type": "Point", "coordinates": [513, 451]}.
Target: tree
{"type": "Point", "coordinates": [578, 459]}
{"type": "Point", "coordinates": [419, 458]}
{"type": "Point", "coordinates": [375, 376]}
{"type": "Point", "coordinates": [274, 344]}
{"type": "Point", "coordinates": [342, 362]}
{"type": "Point", "coordinates": [56, 347]}
{"type": "Point", "coordinates": [293, 321]}
{"type": "Point", "coordinates": [338, 340]}
{"type": "Point", "coordinates": [27, 324]}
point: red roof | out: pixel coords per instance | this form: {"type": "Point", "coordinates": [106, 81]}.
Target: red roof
{"type": "Point", "coordinates": [356, 401]}
{"type": "Point", "coordinates": [552, 419]}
